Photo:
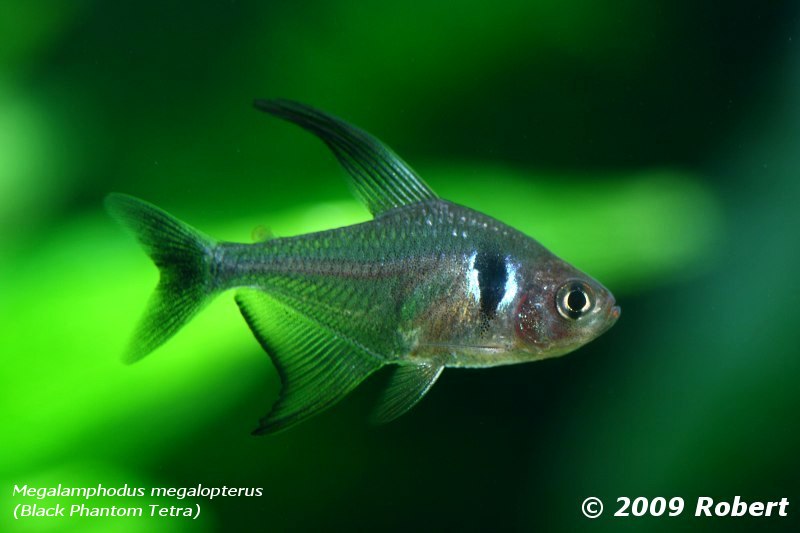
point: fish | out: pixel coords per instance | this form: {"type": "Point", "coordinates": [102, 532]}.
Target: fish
{"type": "Point", "coordinates": [425, 285]}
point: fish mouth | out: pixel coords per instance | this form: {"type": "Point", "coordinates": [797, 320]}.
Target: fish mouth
{"type": "Point", "coordinates": [613, 316]}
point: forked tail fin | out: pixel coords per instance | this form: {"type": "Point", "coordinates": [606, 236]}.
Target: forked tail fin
{"type": "Point", "coordinates": [184, 258]}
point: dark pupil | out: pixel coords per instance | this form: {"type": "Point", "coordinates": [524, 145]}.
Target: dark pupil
{"type": "Point", "coordinates": [576, 300]}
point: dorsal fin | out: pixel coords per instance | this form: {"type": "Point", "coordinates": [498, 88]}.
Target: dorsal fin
{"type": "Point", "coordinates": [382, 180]}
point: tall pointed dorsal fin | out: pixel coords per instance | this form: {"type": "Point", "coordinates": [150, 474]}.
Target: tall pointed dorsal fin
{"type": "Point", "coordinates": [382, 180]}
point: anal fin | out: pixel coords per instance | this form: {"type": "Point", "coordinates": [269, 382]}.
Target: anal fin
{"type": "Point", "coordinates": [316, 366]}
{"type": "Point", "coordinates": [408, 385]}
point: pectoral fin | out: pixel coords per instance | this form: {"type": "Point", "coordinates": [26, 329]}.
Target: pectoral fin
{"type": "Point", "coordinates": [317, 367]}
{"type": "Point", "coordinates": [382, 180]}
{"type": "Point", "coordinates": [407, 386]}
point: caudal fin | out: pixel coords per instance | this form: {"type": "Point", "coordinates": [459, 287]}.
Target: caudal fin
{"type": "Point", "coordinates": [184, 258]}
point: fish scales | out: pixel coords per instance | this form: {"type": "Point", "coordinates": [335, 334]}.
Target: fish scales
{"type": "Point", "coordinates": [351, 273]}
{"type": "Point", "coordinates": [426, 284]}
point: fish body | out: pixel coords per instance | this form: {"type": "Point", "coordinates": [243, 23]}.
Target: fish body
{"type": "Point", "coordinates": [426, 284]}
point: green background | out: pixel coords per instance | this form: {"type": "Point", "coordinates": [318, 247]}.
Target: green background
{"type": "Point", "coordinates": [652, 144]}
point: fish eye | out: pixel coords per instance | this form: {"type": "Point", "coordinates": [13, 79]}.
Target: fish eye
{"type": "Point", "coordinates": [574, 299]}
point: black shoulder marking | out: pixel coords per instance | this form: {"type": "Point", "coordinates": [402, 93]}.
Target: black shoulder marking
{"type": "Point", "coordinates": [492, 278]}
